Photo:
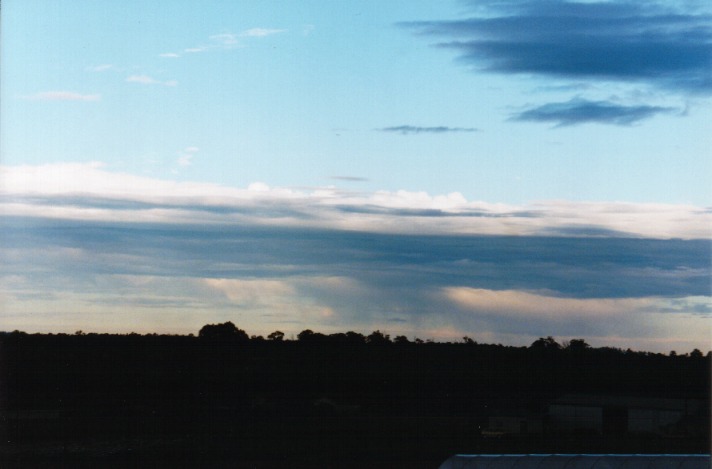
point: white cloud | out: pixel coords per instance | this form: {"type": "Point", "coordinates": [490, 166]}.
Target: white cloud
{"type": "Point", "coordinates": [185, 160]}
{"type": "Point", "coordinates": [328, 207]}
{"type": "Point", "coordinates": [260, 32]}
{"type": "Point", "coordinates": [147, 80]}
{"type": "Point", "coordinates": [641, 323]}
{"type": "Point", "coordinates": [225, 39]}
{"type": "Point", "coordinates": [170, 55]}
{"type": "Point", "coordinates": [100, 68]}
{"type": "Point", "coordinates": [251, 292]}
{"type": "Point", "coordinates": [143, 79]}
{"type": "Point", "coordinates": [193, 50]}
{"type": "Point", "coordinates": [186, 156]}
{"type": "Point", "coordinates": [62, 96]}
{"type": "Point", "coordinates": [526, 305]}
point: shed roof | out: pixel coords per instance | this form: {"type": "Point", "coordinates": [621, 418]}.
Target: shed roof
{"type": "Point", "coordinates": [577, 461]}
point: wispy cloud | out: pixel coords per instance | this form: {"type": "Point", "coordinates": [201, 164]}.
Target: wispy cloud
{"type": "Point", "coordinates": [581, 111]}
{"type": "Point", "coordinates": [62, 96]}
{"type": "Point", "coordinates": [186, 156]}
{"type": "Point", "coordinates": [147, 80]}
{"type": "Point", "coordinates": [260, 32]}
{"type": "Point", "coordinates": [413, 129]}
{"type": "Point", "coordinates": [663, 45]}
{"type": "Point", "coordinates": [225, 39]}
{"type": "Point", "coordinates": [350, 178]}
{"type": "Point", "coordinates": [101, 68]}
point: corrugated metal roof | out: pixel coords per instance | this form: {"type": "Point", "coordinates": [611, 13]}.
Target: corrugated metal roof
{"type": "Point", "coordinates": [577, 461]}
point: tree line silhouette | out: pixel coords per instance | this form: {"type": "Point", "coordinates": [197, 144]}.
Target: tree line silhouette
{"type": "Point", "coordinates": [318, 399]}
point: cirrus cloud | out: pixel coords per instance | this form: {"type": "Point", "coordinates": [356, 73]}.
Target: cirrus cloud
{"type": "Point", "coordinates": [147, 80]}
{"type": "Point", "coordinates": [62, 96]}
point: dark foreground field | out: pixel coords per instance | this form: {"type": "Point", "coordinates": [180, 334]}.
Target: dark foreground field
{"type": "Point", "coordinates": [335, 401]}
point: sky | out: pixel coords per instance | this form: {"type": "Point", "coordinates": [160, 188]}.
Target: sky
{"type": "Point", "coordinates": [501, 169]}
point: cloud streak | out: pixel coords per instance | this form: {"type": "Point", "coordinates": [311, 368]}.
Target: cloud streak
{"type": "Point", "coordinates": [413, 129]}
{"type": "Point", "coordinates": [62, 96]}
{"type": "Point", "coordinates": [260, 32]}
{"type": "Point", "coordinates": [147, 80]}
{"type": "Point", "coordinates": [581, 111]}
{"type": "Point", "coordinates": [87, 191]}
{"type": "Point", "coordinates": [225, 41]}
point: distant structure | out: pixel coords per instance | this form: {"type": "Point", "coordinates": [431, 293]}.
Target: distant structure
{"type": "Point", "coordinates": [611, 415]}
{"type": "Point", "coordinates": [577, 461]}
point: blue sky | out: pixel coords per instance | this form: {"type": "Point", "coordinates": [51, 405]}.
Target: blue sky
{"type": "Point", "coordinates": [453, 120]}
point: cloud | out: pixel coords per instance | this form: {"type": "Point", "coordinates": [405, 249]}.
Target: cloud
{"type": "Point", "coordinates": [523, 304]}
{"type": "Point", "coordinates": [186, 156]}
{"type": "Point", "coordinates": [101, 68]}
{"type": "Point", "coordinates": [667, 46]}
{"type": "Point", "coordinates": [62, 96]}
{"type": "Point", "coordinates": [117, 252]}
{"type": "Point", "coordinates": [127, 275]}
{"type": "Point", "coordinates": [350, 178]}
{"type": "Point", "coordinates": [53, 191]}
{"type": "Point", "coordinates": [614, 321]}
{"type": "Point", "coordinates": [412, 129]}
{"type": "Point", "coordinates": [147, 80]}
{"type": "Point", "coordinates": [226, 39]}
{"type": "Point", "coordinates": [193, 50]}
{"type": "Point", "coordinates": [260, 32]}
{"type": "Point", "coordinates": [581, 111]}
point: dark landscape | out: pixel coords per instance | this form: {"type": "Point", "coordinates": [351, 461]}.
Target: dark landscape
{"type": "Point", "coordinates": [224, 399]}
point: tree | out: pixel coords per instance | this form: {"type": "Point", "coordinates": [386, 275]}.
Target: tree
{"type": "Point", "coordinates": [307, 335]}
{"type": "Point", "coordinates": [378, 338]}
{"type": "Point", "coordinates": [545, 344]}
{"type": "Point", "coordinates": [577, 344]}
{"type": "Point", "coordinates": [276, 336]}
{"type": "Point", "coordinates": [355, 338]}
{"type": "Point", "coordinates": [225, 332]}
{"type": "Point", "coordinates": [401, 340]}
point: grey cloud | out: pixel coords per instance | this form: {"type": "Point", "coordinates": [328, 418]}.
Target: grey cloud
{"type": "Point", "coordinates": [432, 212]}
{"type": "Point", "coordinates": [361, 281]}
{"type": "Point", "coordinates": [646, 42]}
{"type": "Point", "coordinates": [350, 178]}
{"type": "Point", "coordinates": [570, 267]}
{"type": "Point", "coordinates": [580, 111]}
{"type": "Point", "coordinates": [412, 129]}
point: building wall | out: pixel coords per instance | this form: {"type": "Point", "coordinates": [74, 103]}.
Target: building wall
{"type": "Point", "coordinates": [652, 421]}
{"type": "Point", "coordinates": [576, 418]}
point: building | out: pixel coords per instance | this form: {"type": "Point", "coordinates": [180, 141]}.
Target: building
{"type": "Point", "coordinates": [601, 414]}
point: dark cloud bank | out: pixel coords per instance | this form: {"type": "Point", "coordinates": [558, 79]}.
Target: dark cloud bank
{"type": "Point", "coordinates": [665, 46]}
{"type": "Point", "coordinates": [571, 267]}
